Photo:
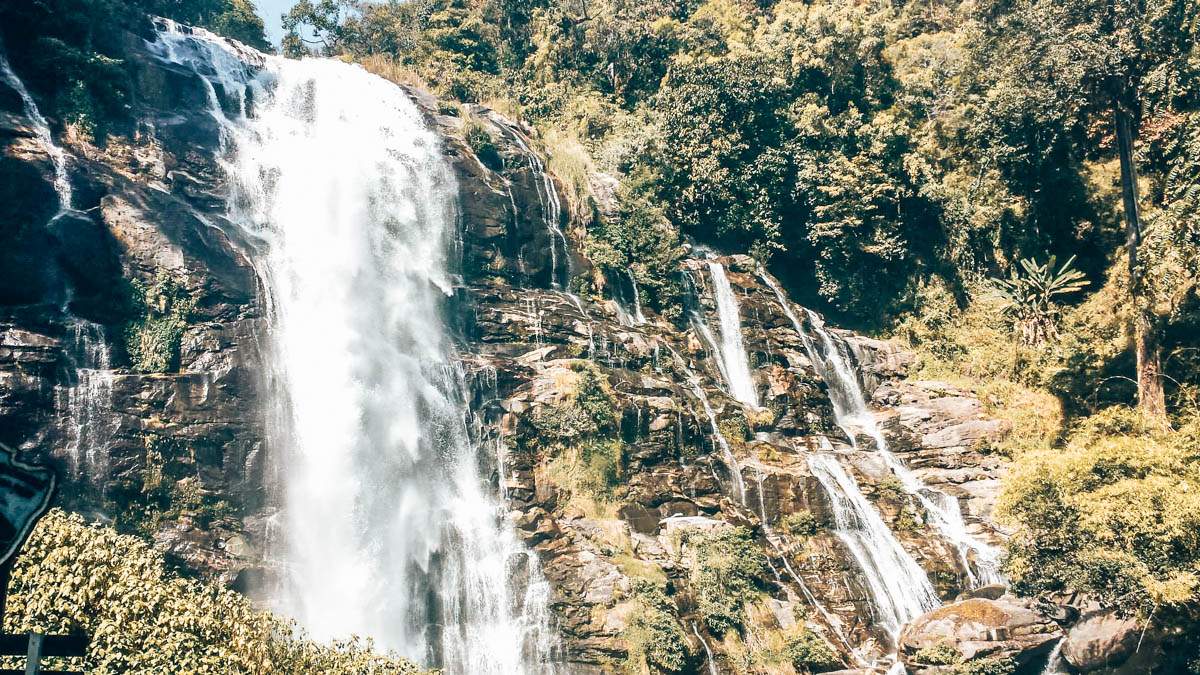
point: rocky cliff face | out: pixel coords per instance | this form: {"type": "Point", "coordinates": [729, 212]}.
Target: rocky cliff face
{"type": "Point", "coordinates": [618, 445]}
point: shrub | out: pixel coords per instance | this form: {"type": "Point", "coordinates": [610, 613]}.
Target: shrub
{"type": "Point", "coordinates": [73, 577]}
{"type": "Point", "coordinates": [480, 141]}
{"type": "Point", "coordinates": [800, 524]}
{"type": "Point", "coordinates": [938, 655]}
{"type": "Point", "coordinates": [808, 653]}
{"type": "Point", "coordinates": [1114, 513]}
{"type": "Point", "coordinates": [727, 571]}
{"type": "Point", "coordinates": [653, 637]}
{"type": "Point", "coordinates": [154, 338]}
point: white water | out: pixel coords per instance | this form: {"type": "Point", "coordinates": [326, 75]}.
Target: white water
{"type": "Point", "coordinates": [390, 529]}
{"type": "Point", "coordinates": [88, 420]}
{"type": "Point", "coordinates": [1056, 664]}
{"type": "Point", "coordinates": [900, 590]}
{"type": "Point", "coordinates": [735, 364]}
{"type": "Point", "coordinates": [62, 184]}
{"type": "Point", "coordinates": [551, 205]}
{"type": "Point", "coordinates": [708, 657]}
{"type": "Point", "coordinates": [853, 415]}
{"type": "Point", "coordinates": [735, 471]}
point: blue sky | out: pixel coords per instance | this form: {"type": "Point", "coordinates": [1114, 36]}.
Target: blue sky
{"type": "Point", "coordinates": [270, 10]}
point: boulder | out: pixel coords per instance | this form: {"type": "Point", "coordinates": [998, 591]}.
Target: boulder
{"type": "Point", "coordinates": [980, 628]}
{"type": "Point", "coordinates": [1102, 639]}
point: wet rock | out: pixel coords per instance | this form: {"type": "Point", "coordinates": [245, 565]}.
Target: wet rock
{"type": "Point", "coordinates": [1100, 640]}
{"type": "Point", "coordinates": [979, 628]}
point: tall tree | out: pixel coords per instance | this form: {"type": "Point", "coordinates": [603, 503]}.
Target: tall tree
{"type": "Point", "coordinates": [1110, 60]}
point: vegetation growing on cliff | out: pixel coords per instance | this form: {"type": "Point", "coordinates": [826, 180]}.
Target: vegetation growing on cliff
{"type": "Point", "coordinates": [76, 577]}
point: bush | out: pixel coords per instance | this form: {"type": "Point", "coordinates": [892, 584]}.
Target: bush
{"type": "Point", "coordinates": [1116, 513]}
{"type": "Point", "coordinates": [480, 141]}
{"type": "Point", "coordinates": [653, 637]}
{"type": "Point", "coordinates": [154, 338]}
{"type": "Point", "coordinates": [938, 655]}
{"type": "Point", "coordinates": [728, 569]}
{"type": "Point", "coordinates": [800, 524]}
{"type": "Point", "coordinates": [73, 577]}
{"type": "Point", "coordinates": [808, 653]}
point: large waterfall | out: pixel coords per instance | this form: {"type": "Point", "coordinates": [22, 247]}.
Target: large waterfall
{"type": "Point", "coordinates": [389, 528]}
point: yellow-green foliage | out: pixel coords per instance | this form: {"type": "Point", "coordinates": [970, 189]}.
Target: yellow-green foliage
{"type": "Point", "coordinates": [588, 408]}
{"type": "Point", "coordinates": [808, 653]}
{"type": "Point", "coordinates": [153, 339]}
{"type": "Point", "coordinates": [943, 654]}
{"type": "Point", "coordinates": [799, 524]}
{"type": "Point", "coordinates": [654, 639]}
{"type": "Point", "coordinates": [727, 571]}
{"type": "Point", "coordinates": [1115, 513]}
{"type": "Point", "coordinates": [74, 577]}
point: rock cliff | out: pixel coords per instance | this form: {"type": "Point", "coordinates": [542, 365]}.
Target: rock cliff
{"type": "Point", "coordinates": [626, 463]}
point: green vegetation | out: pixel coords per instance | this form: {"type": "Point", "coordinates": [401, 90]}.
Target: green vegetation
{"type": "Point", "coordinates": [808, 653]}
{"type": "Point", "coordinates": [153, 339]}
{"type": "Point", "coordinates": [799, 524]}
{"type": "Point", "coordinates": [655, 640]}
{"type": "Point", "coordinates": [76, 577]}
{"type": "Point", "coordinates": [582, 453]}
{"type": "Point", "coordinates": [726, 575]}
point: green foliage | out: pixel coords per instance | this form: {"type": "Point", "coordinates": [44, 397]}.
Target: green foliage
{"type": "Point", "coordinates": [799, 524]}
{"type": "Point", "coordinates": [943, 654]}
{"type": "Point", "coordinates": [1115, 514]}
{"type": "Point", "coordinates": [153, 339]}
{"type": "Point", "coordinates": [654, 638]}
{"type": "Point", "coordinates": [808, 653]}
{"type": "Point", "coordinates": [986, 666]}
{"type": "Point", "coordinates": [75, 577]}
{"type": "Point", "coordinates": [1030, 297]}
{"type": "Point", "coordinates": [726, 575]}
{"type": "Point", "coordinates": [481, 143]}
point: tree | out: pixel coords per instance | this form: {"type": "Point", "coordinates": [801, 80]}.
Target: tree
{"type": "Point", "coordinates": [1111, 59]}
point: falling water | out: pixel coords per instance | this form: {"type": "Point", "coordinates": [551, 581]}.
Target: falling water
{"type": "Point", "coordinates": [548, 198]}
{"type": "Point", "coordinates": [853, 416]}
{"type": "Point", "coordinates": [735, 471]}
{"type": "Point", "coordinates": [62, 183]}
{"type": "Point", "coordinates": [736, 367]}
{"type": "Point", "coordinates": [391, 531]}
{"type": "Point", "coordinates": [1056, 664]}
{"type": "Point", "coordinates": [900, 591]}
{"type": "Point", "coordinates": [88, 422]}
{"type": "Point", "coordinates": [708, 656]}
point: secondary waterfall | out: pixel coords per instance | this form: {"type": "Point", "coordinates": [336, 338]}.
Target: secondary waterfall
{"type": "Point", "coordinates": [850, 408]}
{"type": "Point", "coordinates": [41, 128]}
{"type": "Point", "coordinates": [900, 590]}
{"type": "Point", "coordinates": [89, 422]}
{"type": "Point", "coordinates": [731, 351]}
{"type": "Point", "coordinates": [731, 463]}
{"type": "Point", "coordinates": [391, 531]}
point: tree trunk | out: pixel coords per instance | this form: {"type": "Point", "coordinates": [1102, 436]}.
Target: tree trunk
{"type": "Point", "coordinates": [1151, 399]}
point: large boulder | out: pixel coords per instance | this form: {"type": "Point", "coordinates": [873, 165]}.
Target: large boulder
{"type": "Point", "coordinates": [979, 628]}
{"type": "Point", "coordinates": [1101, 640]}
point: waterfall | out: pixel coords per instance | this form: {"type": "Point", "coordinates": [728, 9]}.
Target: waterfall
{"type": "Point", "coordinates": [390, 529]}
{"type": "Point", "coordinates": [735, 367]}
{"type": "Point", "coordinates": [853, 415]}
{"type": "Point", "coordinates": [88, 421]}
{"type": "Point", "coordinates": [735, 471]}
{"type": "Point", "coordinates": [708, 656]}
{"type": "Point", "coordinates": [899, 589]}
{"type": "Point", "coordinates": [560, 272]}
{"type": "Point", "coordinates": [62, 183]}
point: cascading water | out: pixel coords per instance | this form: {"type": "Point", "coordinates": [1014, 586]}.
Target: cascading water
{"type": "Point", "coordinates": [731, 352]}
{"type": "Point", "coordinates": [560, 270]}
{"type": "Point", "coordinates": [390, 529]}
{"type": "Point", "coordinates": [853, 415]}
{"type": "Point", "coordinates": [735, 471]}
{"type": "Point", "coordinates": [88, 421]}
{"type": "Point", "coordinates": [900, 590]}
{"type": "Point", "coordinates": [41, 128]}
